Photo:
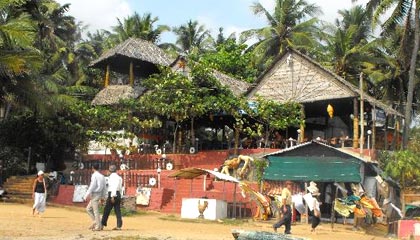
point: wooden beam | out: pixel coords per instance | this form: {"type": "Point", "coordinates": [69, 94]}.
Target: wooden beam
{"type": "Point", "coordinates": [107, 76]}
{"type": "Point", "coordinates": [131, 74]}
{"type": "Point", "coordinates": [355, 123]}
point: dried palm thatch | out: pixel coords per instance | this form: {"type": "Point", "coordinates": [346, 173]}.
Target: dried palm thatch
{"type": "Point", "coordinates": [134, 49]}
{"type": "Point", "coordinates": [114, 93]}
{"type": "Point", "coordinates": [294, 76]}
{"type": "Point", "coordinates": [236, 86]}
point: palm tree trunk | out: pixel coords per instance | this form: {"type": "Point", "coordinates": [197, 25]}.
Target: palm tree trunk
{"type": "Point", "coordinates": [411, 76]}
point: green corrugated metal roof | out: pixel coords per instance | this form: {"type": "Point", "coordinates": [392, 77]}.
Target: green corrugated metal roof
{"type": "Point", "coordinates": [320, 169]}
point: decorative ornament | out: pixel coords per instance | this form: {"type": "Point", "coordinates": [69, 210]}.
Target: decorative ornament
{"type": "Point", "coordinates": [152, 181]}
{"type": "Point", "coordinates": [169, 166]}
{"type": "Point", "coordinates": [158, 151]}
{"type": "Point", "coordinates": [330, 110]}
{"type": "Point", "coordinates": [192, 150]}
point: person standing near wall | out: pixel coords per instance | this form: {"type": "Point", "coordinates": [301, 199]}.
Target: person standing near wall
{"type": "Point", "coordinates": [97, 192]}
{"type": "Point", "coordinates": [114, 198]}
{"type": "Point", "coordinates": [39, 194]}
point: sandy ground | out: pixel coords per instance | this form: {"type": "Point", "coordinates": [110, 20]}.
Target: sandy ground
{"type": "Point", "coordinates": [65, 223]}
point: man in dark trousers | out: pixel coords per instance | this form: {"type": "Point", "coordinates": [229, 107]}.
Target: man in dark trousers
{"type": "Point", "coordinates": [114, 198]}
{"type": "Point", "coordinates": [286, 209]}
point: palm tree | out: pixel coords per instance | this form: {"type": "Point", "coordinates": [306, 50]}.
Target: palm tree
{"type": "Point", "coordinates": [402, 13]}
{"type": "Point", "coordinates": [140, 27]}
{"type": "Point", "coordinates": [192, 37]}
{"type": "Point", "coordinates": [346, 47]}
{"type": "Point", "coordinates": [18, 56]}
{"type": "Point", "coordinates": [289, 26]}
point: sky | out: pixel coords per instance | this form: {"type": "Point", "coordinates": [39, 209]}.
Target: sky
{"type": "Point", "coordinates": [233, 15]}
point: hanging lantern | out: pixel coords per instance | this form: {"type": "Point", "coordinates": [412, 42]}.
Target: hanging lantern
{"type": "Point", "coordinates": [330, 110]}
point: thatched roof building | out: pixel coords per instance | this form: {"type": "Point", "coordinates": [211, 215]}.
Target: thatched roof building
{"type": "Point", "coordinates": [138, 59]}
{"type": "Point", "coordinates": [332, 105]}
{"type": "Point", "coordinates": [112, 94]}
{"type": "Point", "coordinates": [144, 54]}
{"type": "Point", "coordinates": [294, 76]}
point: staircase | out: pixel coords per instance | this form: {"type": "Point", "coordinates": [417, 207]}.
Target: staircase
{"type": "Point", "coordinates": [19, 188]}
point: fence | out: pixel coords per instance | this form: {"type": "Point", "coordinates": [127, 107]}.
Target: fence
{"type": "Point", "coordinates": [130, 179]}
{"type": "Point", "coordinates": [131, 163]}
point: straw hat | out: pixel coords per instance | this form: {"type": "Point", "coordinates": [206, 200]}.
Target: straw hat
{"type": "Point", "coordinates": [312, 188]}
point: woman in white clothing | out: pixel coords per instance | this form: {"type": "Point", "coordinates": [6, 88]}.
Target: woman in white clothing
{"type": "Point", "coordinates": [39, 194]}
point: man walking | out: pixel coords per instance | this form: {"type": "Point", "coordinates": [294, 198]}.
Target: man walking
{"type": "Point", "coordinates": [286, 198]}
{"type": "Point", "coordinates": [114, 198]}
{"type": "Point", "coordinates": [97, 192]}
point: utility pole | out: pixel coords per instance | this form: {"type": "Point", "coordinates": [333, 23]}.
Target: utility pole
{"type": "Point", "coordinates": [362, 115]}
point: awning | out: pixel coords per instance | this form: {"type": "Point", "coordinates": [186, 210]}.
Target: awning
{"type": "Point", "coordinates": [319, 169]}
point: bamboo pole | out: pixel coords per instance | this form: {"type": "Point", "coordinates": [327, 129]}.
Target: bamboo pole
{"type": "Point", "coordinates": [355, 124]}
{"type": "Point", "coordinates": [131, 77]}
{"type": "Point", "coordinates": [373, 155]}
{"type": "Point", "coordinates": [107, 76]}
{"type": "Point", "coordinates": [302, 126]}
{"type": "Point", "coordinates": [362, 124]}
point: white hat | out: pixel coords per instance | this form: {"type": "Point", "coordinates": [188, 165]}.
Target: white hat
{"type": "Point", "coordinates": [40, 172]}
{"type": "Point", "coordinates": [312, 187]}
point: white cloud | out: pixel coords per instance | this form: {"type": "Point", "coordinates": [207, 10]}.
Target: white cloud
{"type": "Point", "coordinates": [98, 14]}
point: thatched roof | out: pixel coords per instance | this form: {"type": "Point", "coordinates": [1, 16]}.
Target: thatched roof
{"type": "Point", "coordinates": [114, 93]}
{"type": "Point", "coordinates": [238, 87]}
{"type": "Point", "coordinates": [133, 49]}
{"type": "Point", "coordinates": [294, 76]}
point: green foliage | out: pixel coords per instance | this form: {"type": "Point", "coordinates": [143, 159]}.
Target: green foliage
{"type": "Point", "coordinates": [12, 161]}
{"type": "Point", "coordinates": [404, 165]}
{"type": "Point", "coordinates": [192, 37]}
{"type": "Point", "coordinates": [289, 25]}
{"type": "Point", "coordinates": [231, 59]}
{"type": "Point", "coordinates": [178, 97]}
{"type": "Point", "coordinates": [260, 165]}
{"type": "Point", "coordinates": [270, 115]}
{"type": "Point", "coordinates": [139, 27]}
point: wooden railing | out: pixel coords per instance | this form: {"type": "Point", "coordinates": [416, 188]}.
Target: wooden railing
{"type": "Point", "coordinates": [130, 179]}
{"type": "Point", "coordinates": [131, 163]}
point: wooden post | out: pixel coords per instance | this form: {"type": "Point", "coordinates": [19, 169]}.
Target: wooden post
{"type": "Point", "coordinates": [355, 123]}
{"type": "Point", "coordinates": [332, 208]}
{"type": "Point", "coordinates": [131, 76]}
{"type": "Point", "coordinates": [302, 126]}
{"type": "Point", "coordinates": [107, 76]}
{"type": "Point", "coordinates": [306, 205]}
{"type": "Point", "coordinates": [386, 132]}
{"type": "Point", "coordinates": [362, 113]}
{"type": "Point", "coordinates": [373, 155]}
{"type": "Point", "coordinates": [397, 134]}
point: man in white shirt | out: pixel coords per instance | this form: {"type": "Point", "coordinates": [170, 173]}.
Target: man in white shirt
{"type": "Point", "coordinates": [97, 192]}
{"type": "Point", "coordinates": [114, 197]}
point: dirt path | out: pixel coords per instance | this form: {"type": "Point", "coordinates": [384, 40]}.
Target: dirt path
{"type": "Point", "coordinates": [66, 223]}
